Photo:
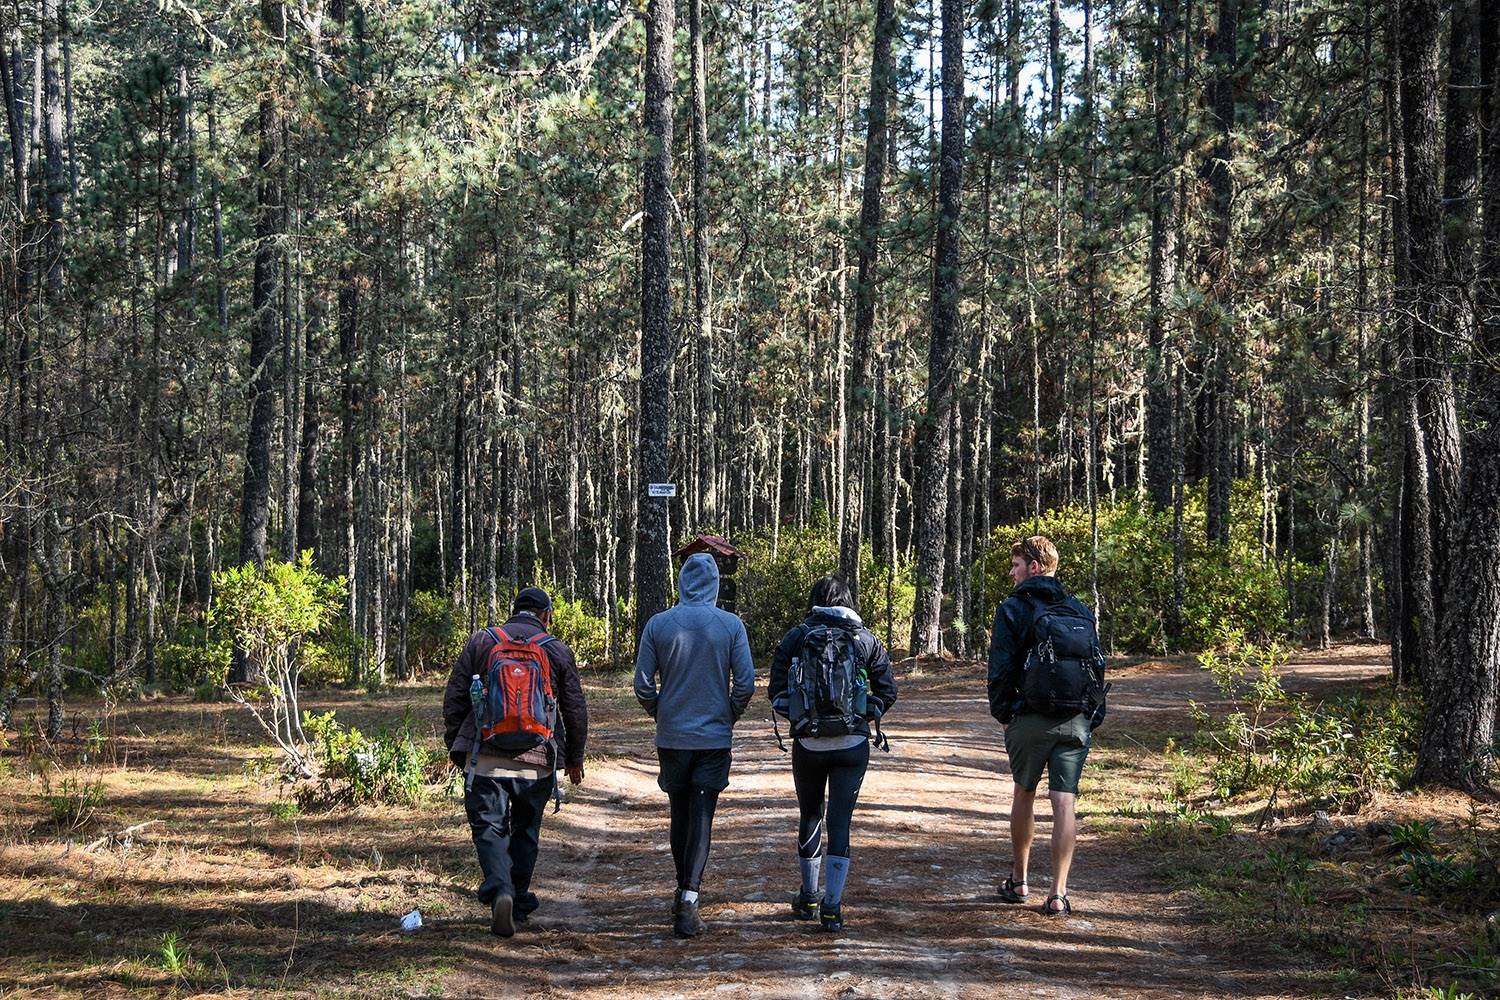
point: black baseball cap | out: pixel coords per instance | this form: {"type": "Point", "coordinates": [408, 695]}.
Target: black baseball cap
{"type": "Point", "coordinates": [531, 599]}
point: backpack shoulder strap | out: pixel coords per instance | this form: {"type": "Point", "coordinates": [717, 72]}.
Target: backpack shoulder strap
{"type": "Point", "coordinates": [497, 633]}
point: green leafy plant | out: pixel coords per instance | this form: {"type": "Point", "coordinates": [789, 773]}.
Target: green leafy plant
{"type": "Point", "coordinates": [269, 613]}
{"type": "Point", "coordinates": [390, 766]}
{"type": "Point", "coordinates": [73, 801]}
{"type": "Point", "coordinates": [175, 955]}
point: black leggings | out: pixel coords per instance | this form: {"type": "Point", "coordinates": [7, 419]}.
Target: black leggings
{"type": "Point", "coordinates": [840, 772]}
{"type": "Point", "coordinates": [692, 780]}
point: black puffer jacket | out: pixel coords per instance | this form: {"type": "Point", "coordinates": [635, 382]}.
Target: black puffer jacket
{"type": "Point", "coordinates": [877, 662]}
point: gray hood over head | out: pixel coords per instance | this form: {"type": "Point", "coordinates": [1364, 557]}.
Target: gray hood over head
{"type": "Point", "coordinates": [698, 582]}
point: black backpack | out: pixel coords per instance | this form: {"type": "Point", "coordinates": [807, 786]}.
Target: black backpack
{"type": "Point", "coordinates": [1064, 672]}
{"type": "Point", "coordinates": [827, 690]}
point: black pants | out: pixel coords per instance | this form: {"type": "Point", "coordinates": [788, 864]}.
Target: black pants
{"type": "Point", "coordinates": [838, 773]}
{"type": "Point", "coordinates": [692, 780]}
{"type": "Point", "coordinates": [505, 817]}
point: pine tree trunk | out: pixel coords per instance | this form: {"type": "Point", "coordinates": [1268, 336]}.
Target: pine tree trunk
{"type": "Point", "coordinates": [656, 316]}
{"type": "Point", "coordinates": [935, 452]}
{"type": "Point", "coordinates": [1162, 264]}
{"type": "Point", "coordinates": [1216, 316]}
{"type": "Point", "coordinates": [867, 252]}
{"type": "Point", "coordinates": [1463, 686]}
{"type": "Point", "coordinates": [706, 431]}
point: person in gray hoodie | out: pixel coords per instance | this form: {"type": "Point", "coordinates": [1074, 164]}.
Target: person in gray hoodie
{"type": "Point", "coordinates": [694, 676]}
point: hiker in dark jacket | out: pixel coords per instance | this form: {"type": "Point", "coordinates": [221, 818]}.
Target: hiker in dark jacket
{"type": "Point", "coordinates": [1034, 741]}
{"type": "Point", "coordinates": [694, 676]}
{"type": "Point", "coordinates": [830, 766]}
{"type": "Point", "coordinates": [506, 795]}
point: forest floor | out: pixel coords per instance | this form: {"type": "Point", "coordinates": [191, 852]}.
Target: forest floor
{"type": "Point", "coordinates": [265, 899]}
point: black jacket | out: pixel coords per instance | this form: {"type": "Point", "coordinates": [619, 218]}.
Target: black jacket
{"type": "Point", "coordinates": [1011, 641]}
{"type": "Point", "coordinates": [572, 711]}
{"type": "Point", "coordinates": [877, 663]}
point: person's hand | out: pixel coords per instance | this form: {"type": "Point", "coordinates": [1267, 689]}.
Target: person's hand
{"type": "Point", "coordinates": [459, 758]}
{"type": "Point", "coordinates": [575, 774]}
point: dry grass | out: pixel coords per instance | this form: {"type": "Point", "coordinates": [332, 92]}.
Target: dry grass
{"type": "Point", "coordinates": [263, 899]}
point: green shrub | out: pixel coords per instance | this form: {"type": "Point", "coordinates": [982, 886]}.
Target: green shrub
{"type": "Point", "coordinates": [586, 634]}
{"type": "Point", "coordinates": [1226, 588]}
{"type": "Point", "coordinates": [1334, 753]}
{"type": "Point", "coordinates": [195, 657]}
{"type": "Point", "coordinates": [354, 768]}
{"type": "Point", "coordinates": [327, 659]}
{"type": "Point", "coordinates": [775, 579]}
{"type": "Point", "coordinates": [73, 801]}
{"type": "Point", "coordinates": [435, 632]}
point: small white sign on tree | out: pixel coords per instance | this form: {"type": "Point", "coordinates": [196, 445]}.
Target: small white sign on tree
{"type": "Point", "coordinates": [661, 489]}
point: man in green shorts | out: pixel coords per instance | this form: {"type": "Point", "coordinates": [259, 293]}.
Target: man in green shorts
{"type": "Point", "coordinates": [1055, 735]}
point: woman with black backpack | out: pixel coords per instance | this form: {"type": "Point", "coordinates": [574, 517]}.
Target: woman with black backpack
{"type": "Point", "coordinates": [830, 678]}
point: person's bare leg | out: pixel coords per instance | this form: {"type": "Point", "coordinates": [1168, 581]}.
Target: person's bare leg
{"type": "Point", "coordinates": [1064, 835]}
{"type": "Point", "coordinates": [1022, 827]}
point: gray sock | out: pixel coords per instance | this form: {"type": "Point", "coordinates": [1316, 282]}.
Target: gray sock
{"type": "Point", "coordinates": [838, 872]}
{"type": "Point", "coordinates": [810, 869]}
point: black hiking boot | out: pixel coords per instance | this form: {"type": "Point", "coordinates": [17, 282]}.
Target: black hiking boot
{"type": "Point", "coordinates": [502, 915]}
{"type": "Point", "coordinates": [831, 916]}
{"type": "Point", "coordinates": [685, 920]}
{"type": "Point", "coordinates": [805, 904]}
{"type": "Point", "coordinates": [526, 904]}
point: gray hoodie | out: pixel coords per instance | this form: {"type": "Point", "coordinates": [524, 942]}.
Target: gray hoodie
{"type": "Point", "coordinates": [700, 655]}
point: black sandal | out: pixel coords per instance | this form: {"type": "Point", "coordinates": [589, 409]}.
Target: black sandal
{"type": "Point", "coordinates": [1067, 907]}
{"type": "Point", "coordinates": [1008, 893]}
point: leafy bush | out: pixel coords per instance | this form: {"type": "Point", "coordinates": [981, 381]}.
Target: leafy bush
{"type": "Point", "coordinates": [73, 801]}
{"type": "Point", "coordinates": [194, 657]}
{"type": "Point", "coordinates": [1335, 752]}
{"type": "Point", "coordinates": [354, 768]}
{"type": "Point", "coordinates": [586, 634]}
{"type": "Point", "coordinates": [1225, 587]}
{"type": "Point", "coordinates": [775, 579]}
{"type": "Point", "coordinates": [435, 631]}
{"type": "Point", "coordinates": [270, 613]}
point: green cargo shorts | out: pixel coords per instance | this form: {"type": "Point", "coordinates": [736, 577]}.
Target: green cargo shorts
{"type": "Point", "coordinates": [1060, 745]}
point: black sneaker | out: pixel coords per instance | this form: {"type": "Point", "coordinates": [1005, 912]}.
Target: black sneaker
{"type": "Point", "coordinates": [831, 916]}
{"type": "Point", "coordinates": [685, 922]}
{"type": "Point", "coordinates": [502, 915]}
{"type": "Point", "coordinates": [805, 904]}
{"type": "Point", "coordinates": [526, 904]}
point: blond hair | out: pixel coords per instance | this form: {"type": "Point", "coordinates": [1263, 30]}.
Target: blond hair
{"type": "Point", "coordinates": [1037, 549]}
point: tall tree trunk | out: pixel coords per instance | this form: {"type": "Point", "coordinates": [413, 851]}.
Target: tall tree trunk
{"type": "Point", "coordinates": [53, 171]}
{"type": "Point", "coordinates": [708, 496]}
{"type": "Point", "coordinates": [1216, 316]}
{"type": "Point", "coordinates": [264, 325]}
{"type": "Point", "coordinates": [1163, 263]}
{"type": "Point", "coordinates": [867, 253]}
{"type": "Point", "coordinates": [656, 316]}
{"type": "Point", "coordinates": [1427, 376]}
{"type": "Point", "coordinates": [1458, 736]}
{"type": "Point", "coordinates": [935, 453]}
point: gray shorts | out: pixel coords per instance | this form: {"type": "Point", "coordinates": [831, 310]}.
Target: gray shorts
{"type": "Point", "coordinates": [1034, 742]}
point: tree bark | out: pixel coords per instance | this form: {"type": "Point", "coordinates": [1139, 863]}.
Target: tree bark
{"type": "Point", "coordinates": [1162, 264]}
{"type": "Point", "coordinates": [708, 495]}
{"type": "Point", "coordinates": [1458, 736]}
{"type": "Point", "coordinates": [935, 452]}
{"type": "Point", "coordinates": [867, 254]}
{"type": "Point", "coordinates": [651, 541]}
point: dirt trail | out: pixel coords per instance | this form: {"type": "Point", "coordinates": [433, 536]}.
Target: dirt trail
{"type": "Point", "coordinates": [930, 842]}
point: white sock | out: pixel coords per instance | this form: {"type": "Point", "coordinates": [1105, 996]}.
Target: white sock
{"type": "Point", "coordinates": [689, 896]}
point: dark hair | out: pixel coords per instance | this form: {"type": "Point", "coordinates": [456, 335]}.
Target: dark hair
{"type": "Point", "coordinates": [832, 592]}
